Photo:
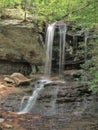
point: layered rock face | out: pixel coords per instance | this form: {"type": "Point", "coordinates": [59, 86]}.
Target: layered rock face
{"type": "Point", "coordinates": [61, 100]}
{"type": "Point", "coordinates": [56, 98]}
{"type": "Point", "coordinates": [20, 47]}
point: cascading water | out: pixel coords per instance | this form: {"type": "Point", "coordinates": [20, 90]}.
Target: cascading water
{"type": "Point", "coordinates": [49, 50]}
{"type": "Point", "coordinates": [22, 101]}
{"type": "Point", "coordinates": [39, 86]}
{"type": "Point", "coordinates": [49, 46]}
{"type": "Point", "coordinates": [32, 99]}
{"type": "Point", "coordinates": [62, 30]}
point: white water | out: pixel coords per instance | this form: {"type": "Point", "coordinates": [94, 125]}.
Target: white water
{"type": "Point", "coordinates": [49, 45]}
{"type": "Point", "coordinates": [49, 49]}
{"type": "Point", "coordinates": [39, 86]}
{"type": "Point", "coordinates": [22, 101]}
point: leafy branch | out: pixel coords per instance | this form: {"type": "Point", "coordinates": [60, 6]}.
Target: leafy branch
{"type": "Point", "coordinates": [76, 10]}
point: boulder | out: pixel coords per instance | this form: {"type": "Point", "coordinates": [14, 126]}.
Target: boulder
{"type": "Point", "coordinates": [17, 79]}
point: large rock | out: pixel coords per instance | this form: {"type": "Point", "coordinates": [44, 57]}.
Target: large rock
{"type": "Point", "coordinates": [17, 79]}
{"type": "Point", "coordinates": [19, 43]}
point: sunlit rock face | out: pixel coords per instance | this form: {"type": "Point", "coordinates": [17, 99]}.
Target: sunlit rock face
{"type": "Point", "coordinates": [20, 47]}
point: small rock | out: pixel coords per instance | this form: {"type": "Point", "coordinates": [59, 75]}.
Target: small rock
{"type": "Point", "coordinates": [17, 79]}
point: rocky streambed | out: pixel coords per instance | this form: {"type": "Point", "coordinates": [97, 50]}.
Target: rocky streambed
{"type": "Point", "coordinates": [74, 107]}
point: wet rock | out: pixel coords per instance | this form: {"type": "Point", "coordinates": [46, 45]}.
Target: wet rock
{"type": "Point", "coordinates": [71, 75]}
{"type": "Point", "coordinates": [71, 98]}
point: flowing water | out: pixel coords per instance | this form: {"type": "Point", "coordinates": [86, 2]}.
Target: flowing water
{"type": "Point", "coordinates": [22, 102]}
{"type": "Point", "coordinates": [62, 30]}
{"type": "Point", "coordinates": [52, 109]}
{"type": "Point", "coordinates": [49, 50]}
{"type": "Point", "coordinates": [39, 86]}
{"type": "Point", "coordinates": [49, 47]}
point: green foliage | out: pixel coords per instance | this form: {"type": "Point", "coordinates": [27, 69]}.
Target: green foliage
{"type": "Point", "coordinates": [9, 3]}
{"type": "Point", "coordinates": [87, 16]}
{"type": "Point", "coordinates": [94, 70]}
{"type": "Point", "coordinates": [90, 67]}
{"type": "Point", "coordinates": [94, 83]}
{"type": "Point", "coordinates": [84, 12]}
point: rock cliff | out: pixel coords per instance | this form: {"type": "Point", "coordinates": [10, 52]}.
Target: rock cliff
{"type": "Point", "coordinates": [20, 47]}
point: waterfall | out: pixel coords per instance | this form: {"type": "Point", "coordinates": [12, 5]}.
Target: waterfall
{"type": "Point", "coordinates": [62, 30]}
{"type": "Point", "coordinates": [39, 86]}
{"type": "Point", "coordinates": [32, 99]}
{"type": "Point", "coordinates": [22, 101]}
{"type": "Point", "coordinates": [49, 46]}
